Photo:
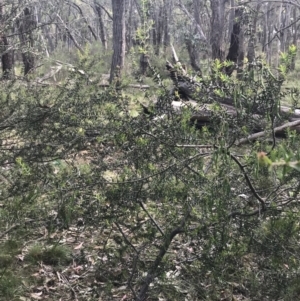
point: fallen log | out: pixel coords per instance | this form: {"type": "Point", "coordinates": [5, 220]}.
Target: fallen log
{"type": "Point", "coordinates": [187, 90]}
{"type": "Point", "coordinates": [203, 114]}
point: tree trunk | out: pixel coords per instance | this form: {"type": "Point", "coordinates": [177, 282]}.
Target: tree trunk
{"type": "Point", "coordinates": [280, 34]}
{"type": "Point", "coordinates": [217, 25]}
{"type": "Point", "coordinates": [267, 43]}
{"type": "Point", "coordinates": [295, 32]}
{"type": "Point", "coordinates": [252, 39]}
{"type": "Point", "coordinates": [144, 63]}
{"type": "Point", "coordinates": [166, 24]}
{"type": "Point", "coordinates": [6, 58]}
{"type": "Point", "coordinates": [236, 46]}
{"type": "Point", "coordinates": [194, 34]}
{"type": "Point", "coordinates": [118, 8]}
{"type": "Point", "coordinates": [101, 26]}
{"type": "Point", "coordinates": [193, 52]}
{"type": "Point", "coordinates": [6, 52]}
{"type": "Point", "coordinates": [196, 6]}
{"type": "Point", "coordinates": [158, 31]}
{"type": "Point", "coordinates": [26, 27]}
{"type": "Point", "coordinates": [241, 54]}
{"type": "Point", "coordinates": [49, 38]}
{"type": "Point", "coordinates": [129, 25]}
{"type": "Point", "coordinates": [193, 46]}
{"type": "Point", "coordinates": [288, 33]}
{"type": "Point", "coordinates": [154, 27]}
{"type": "Point", "coordinates": [231, 19]}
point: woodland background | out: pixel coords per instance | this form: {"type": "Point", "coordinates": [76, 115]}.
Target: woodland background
{"type": "Point", "coordinates": [149, 150]}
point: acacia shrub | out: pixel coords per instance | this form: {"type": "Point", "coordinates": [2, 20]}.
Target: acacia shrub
{"type": "Point", "coordinates": [189, 212]}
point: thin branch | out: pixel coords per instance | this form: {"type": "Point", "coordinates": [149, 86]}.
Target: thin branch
{"type": "Point", "coordinates": [84, 18]}
{"type": "Point", "coordinates": [8, 230]}
{"type": "Point", "coordinates": [253, 190]}
{"type": "Point", "coordinates": [154, 174]}
{"type": "Point", "coordinates": [199, 29]}
{"type": "Point", "coordinates": [195, 146]}
{"type": "Point", "coordinates": [70, 35]}
{"type": "Point", "coordinates": [238, 213]}
{"type": "Point", "coordinates": [280, 30]}
{"type": "Point", "coordinates": [263, 133]}
{"type": "Point", "coordinates": [107, 12]}
{"type": "Point", "coordinates": [275, 1]}
{"type": "Point", "coordinates": [125, 238]}
{"type": "Point", "coordinates": [129, 282]}
{"type": "Point", "coordinates": [163, 250]}
{"type": "Point", "coordinates": [199, 146]}
{"type": "Point", "coordinates": [30, 30]}
{"type": "Point", "coordinates": [151, 218]}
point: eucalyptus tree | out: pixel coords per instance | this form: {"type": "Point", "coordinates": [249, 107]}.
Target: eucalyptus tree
{"type": "Point", "coordinates": [193, 34]}
{"type": "Point", "coordinates": [217, 28]}
{"type": "Point", "coordinates": [102, 32]}
{"type": "Point", "coordinates": [119, 42]}
{"type": "Point", "coordinates": [5, 47]}
{"type": "Point", "coordinates": [26, 24]}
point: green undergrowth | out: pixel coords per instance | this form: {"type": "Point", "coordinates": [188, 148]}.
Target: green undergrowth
{"type": "Point", "coordinates": [52, 255]}
{"type": "Point", "coordinates": [98, 196]}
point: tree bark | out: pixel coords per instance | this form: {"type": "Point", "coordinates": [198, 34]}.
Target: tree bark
{"type": "Point", "coordinates": [289, 34]}
{"type": "Point", "coordinates": [280, 34]}
{"type": "Point", "coordinates": [129, 25]}
{"type": "Point", "coordinates": [193, 52]}
{"type": "Point", "coordinates": [6, 58]}
{"type": "Point", "coordinates": [144, 63]}
{"type": "Point", "coordinates": [295, 33]}
{"type": "Point", "coordinates": [158, 31]}
{"type": "Point", "coordinates": [5, 50]}
{"type": "Point", "coordinates": [267, 43]}
{"type": "Point", "coordinates": [231, 19]}
{"type": "Point", "coordinates": [26, 27]}
{"type": "Point", "coordinates": [236, 47]}
{"type": "Point", "coordinates": [241, 54]}
{"type": "Point", "coordinates": [217, 25]}
{"type": "Point", "coordinates": [166, 24]}
{"type": "Point", "coordinates": [118, 8]}
{"type": "Point", "coordinates": [252, 39]}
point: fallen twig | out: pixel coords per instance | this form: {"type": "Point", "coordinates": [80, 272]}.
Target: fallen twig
{"type": "Point", "coordinates": [8, 230]}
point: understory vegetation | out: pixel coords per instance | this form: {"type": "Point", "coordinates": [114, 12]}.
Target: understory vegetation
{"type": "Point", "coordinates": [100, 201]}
